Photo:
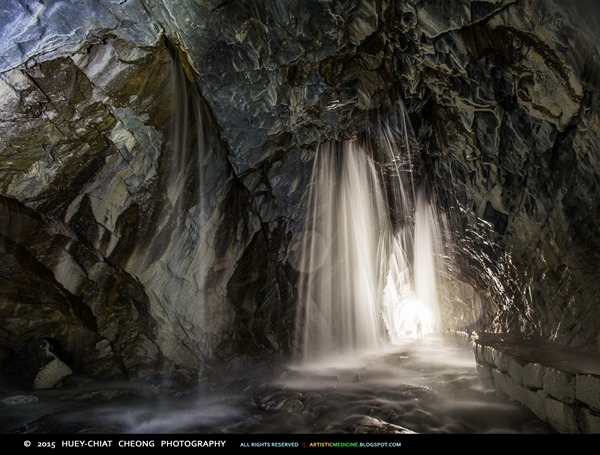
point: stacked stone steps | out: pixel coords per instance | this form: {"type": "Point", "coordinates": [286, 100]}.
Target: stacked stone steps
{"type": "Point", "coordinates": [560, 386]}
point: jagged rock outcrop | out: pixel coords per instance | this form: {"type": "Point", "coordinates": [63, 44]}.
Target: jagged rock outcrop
{"type": "Point", "coordinates": [152, 207]}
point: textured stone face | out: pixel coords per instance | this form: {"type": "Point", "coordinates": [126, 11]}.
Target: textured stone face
{"type": "Point", "coordinates": [179, 258]}
{"type": "Point", "coordinates": [524, 103]}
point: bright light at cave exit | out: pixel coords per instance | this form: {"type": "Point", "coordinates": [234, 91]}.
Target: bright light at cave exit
{"type": "Point", "coordinates": [410, 299]}
{"type": "Point", "coordinates": [406, 316]}
{"type": "Point", "coordinates": [417, 319]}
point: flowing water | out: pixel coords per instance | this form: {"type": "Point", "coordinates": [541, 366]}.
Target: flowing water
{"type": "Point", "coordinates": [426, 386]}
{"type": "Point", "coordinates": [372, 252]}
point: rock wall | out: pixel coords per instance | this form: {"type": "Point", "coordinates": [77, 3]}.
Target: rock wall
{"type": "Point", "coordinates": [516, 90]}
{"type": "Point", "coordinates": [157, 203]}
{"type": "Point", "coordinates": [558, 385]}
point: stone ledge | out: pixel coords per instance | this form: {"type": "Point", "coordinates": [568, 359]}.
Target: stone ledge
{"type": "Point", "coordinates": [559, 386]}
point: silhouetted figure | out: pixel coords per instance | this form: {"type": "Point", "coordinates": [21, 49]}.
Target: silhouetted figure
{"type": "Point", "coordinates": [419, 330]}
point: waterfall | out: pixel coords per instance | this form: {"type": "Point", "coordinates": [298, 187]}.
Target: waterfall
{"type": "Point", "coordinates": [339, 290]}
{"type": "Point", "coordinates": [371, 254]}
{"type": "Point", "coordinates": [173, 263]}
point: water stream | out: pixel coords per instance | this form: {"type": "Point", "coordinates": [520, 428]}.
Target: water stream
{"type": "Point", "coordinates": [426, 386]}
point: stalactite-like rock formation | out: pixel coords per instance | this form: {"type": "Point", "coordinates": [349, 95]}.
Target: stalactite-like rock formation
{"type": "Point", "coordinates": [127, 275]}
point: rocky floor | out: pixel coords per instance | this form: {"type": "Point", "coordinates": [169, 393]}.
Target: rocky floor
{"type": "Point", "coordinates": [428, 386]}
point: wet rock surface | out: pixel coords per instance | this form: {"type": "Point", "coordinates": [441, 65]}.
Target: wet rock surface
{"type": "Point", "coordinates": [535, 349]}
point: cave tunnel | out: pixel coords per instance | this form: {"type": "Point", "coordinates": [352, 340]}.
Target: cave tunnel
{"type": "Point", "coordinates": [280, 216]}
